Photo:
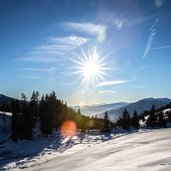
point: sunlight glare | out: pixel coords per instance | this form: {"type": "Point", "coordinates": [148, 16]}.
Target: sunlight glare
{"type": "Point", "coordinates": [91, 67]}
{"type": "Point", "coordinates": [82, 104]}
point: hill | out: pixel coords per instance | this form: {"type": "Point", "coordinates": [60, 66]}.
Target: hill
{"type": "Point", "coordinates": [5, 99]}
{"type": "Point", "coordinates": [140, 106]}
{"type": "Point", "coordinates": [138, 151]}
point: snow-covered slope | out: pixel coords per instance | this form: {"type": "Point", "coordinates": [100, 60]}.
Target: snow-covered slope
{"type": "Point", "coordinates": [5, 125]}
{"type": "Point", "coordinates": [133, 152]}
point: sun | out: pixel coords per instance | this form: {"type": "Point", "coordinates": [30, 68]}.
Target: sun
{"type": "Point", "coordinates": [90, 67]}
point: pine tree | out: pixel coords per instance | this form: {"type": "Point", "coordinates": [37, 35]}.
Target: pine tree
{"type": "Point", "coordinates": [152, 119]}
{"type": "Point", "coordinates": [33, 106]}
{"type": "Point", "coordinates": [42, 113]}
{"type": "Point", "coordinates": [135, 120]}
{"type": "Point", "coordinates": [78, 111]}
{"type": "Point", "coordinates": [125, 120]}
{"type": "Point", "coordinates": [23, 97]}
{"type": "Point", "coordinates": [169, 116]}
{"type": "Point", "coordinates": [44, 118]}
{"type": "Point", "coordinates": [49, 113]}
{"type": "Point", "coordinates": [161, 121]}
{"type": "Point", "coordinates": [106, 127]}
{"type": "Point", "coordinates": [27, 122]}
{"type": "Point", "coordinates": [15, 109]}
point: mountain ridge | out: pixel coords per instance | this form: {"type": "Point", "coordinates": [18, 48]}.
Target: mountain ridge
{"type": "Point", "coordinates": [5, 99]}
{"type": "Point", "coordinates": [140, 106]}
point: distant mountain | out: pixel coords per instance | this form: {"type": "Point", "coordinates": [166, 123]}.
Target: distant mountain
{"type": "Point", "coordinates": [5, 99]}
{"type": "Point", "coordinates": [92, 110]}
{"type": "Point", "coordinates": [140, 106]}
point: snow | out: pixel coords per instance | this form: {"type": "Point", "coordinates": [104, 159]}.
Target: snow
{"type": "Point", "coordinates": [5, 134]}
{"type": "Point", "coordinates": [167, 110]}
{"type": "Point", "coordinates": [142, 150]}
{"type": "Point", "coordinates": [138, 151]}
{"type": "Point", "coordinates": [132, 150]}
{"type": "Point", "coordinates": [42, 148]}
{"type": "Point", "coordinates": [6, 113]}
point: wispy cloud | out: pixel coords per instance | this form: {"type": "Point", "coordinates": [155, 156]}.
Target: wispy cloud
{"type": "Point", "coordinates": [31, 77]}
{"type": "Point", "coordinates": [113, 82]}
{"type": "Point", "coordinates": [70, 40]}
{"type": "Point", "coordinates": [39, 59]}
{"type": "Point", "coordinates": [89, 28]}
{"type": "Point", "coordinates": [162, 47]}
{"type": "Point", "coordinates": [152, 30]}
{"type": "Point", "coordinates": [63, 43]}
{"type": "Point", "coordinates": [158, 3]}
{"type": "Point", "coordinates": [67, 84]}
{"type": "Point", "coordinates": [50, 70]}
{"type": "Point", "coordinates": [67, 73]}
{"type": "Point", "coordinates": [120, 21]}
{"type": "Point", "coordinates": [56, 47]}
{"type": "Point", "coordinates": [107, 92]}
{"type": "Point", "coordinates": [140, 20]}
{"type": "Point", "coordinates": [45, 52]}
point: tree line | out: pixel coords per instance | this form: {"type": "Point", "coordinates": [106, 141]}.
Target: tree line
{"type": "Point", "coordinates": [152, 118]}
{"type": "Point", "coordinates": [50, 112]}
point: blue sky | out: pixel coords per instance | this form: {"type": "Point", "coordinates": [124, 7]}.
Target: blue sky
{"type": "Point", "coordinates": [45, 45]}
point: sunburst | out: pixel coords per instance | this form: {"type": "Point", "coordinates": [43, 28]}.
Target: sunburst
{"type": "Point", "coordinates": [91, 67]}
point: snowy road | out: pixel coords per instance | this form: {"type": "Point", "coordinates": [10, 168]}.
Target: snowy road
{"type": "Point", "coordinates": [137, 151]}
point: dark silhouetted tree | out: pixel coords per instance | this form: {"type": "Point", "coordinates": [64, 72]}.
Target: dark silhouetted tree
{"type": "Point", "coordinates": [152, 119]}
{"type": "Point", "coordinates": [51, 112]}
{"type": "Point", "coordinates": [135, 120]}
{"type": "Point", "coordinates": [26, 119]}
{"type": "Point", "coordinates": [16, 125]}
{"type": "Point", "coordinates": [49, 115]}
{"type": "Point", "coordinates": [161, 119]}
{"type": "Point", "coordinates": [168, 116]}
{"type": "Point", "coordinates": [33, 106]}
{"type": "Point", "coordinates": [124, 121]}
{"type": "Point", "coordinates": [106, 126]}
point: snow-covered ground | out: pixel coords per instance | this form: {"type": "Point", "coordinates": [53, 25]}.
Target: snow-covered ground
{"type": "Point", "coordinates": [143, 150]}
{"type": "Point", "coordinates": [5, 125]}
{"type": "Point", "coordinates": [137, 151]}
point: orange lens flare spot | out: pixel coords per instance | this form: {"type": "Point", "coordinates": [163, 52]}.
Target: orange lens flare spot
{"type": "Point", "coordinates": [68, 129]}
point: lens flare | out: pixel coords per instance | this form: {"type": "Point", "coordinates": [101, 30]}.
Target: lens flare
{"type": "Point", "coordinates": [68, 129]}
